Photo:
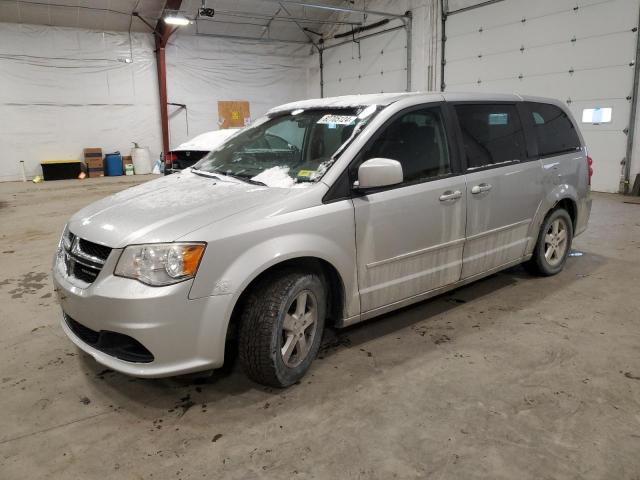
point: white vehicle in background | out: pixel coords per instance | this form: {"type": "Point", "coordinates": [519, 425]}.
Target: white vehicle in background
{"type": "Point", "coordinates": [188, 153]}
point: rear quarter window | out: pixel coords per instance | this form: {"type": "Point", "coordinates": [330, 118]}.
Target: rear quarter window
{"type": "Point", "coordinates": [491, 133]}
{"type": "Point", "coordinates": [554, 130]}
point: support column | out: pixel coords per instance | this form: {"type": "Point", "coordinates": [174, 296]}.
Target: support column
{"type": "Point", "coordinates": [162, 90]}
{"type": "Point", "coordinates": [162, 33]}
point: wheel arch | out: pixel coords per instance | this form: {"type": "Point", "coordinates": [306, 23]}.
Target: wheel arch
{"type": "Point", "coordinates": [564, 196]}
{"type": "Point", "coordinates": [570, 205]}
{"type": "Point", "coordinates": [336, 291]}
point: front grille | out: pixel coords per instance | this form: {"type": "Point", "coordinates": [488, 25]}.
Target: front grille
{"type": "Point", "coordinates": [95, 250]}
{"type": "Point", "coordinates": [84, 259]}
{"type": "Point", "coordinates": [115, 344]}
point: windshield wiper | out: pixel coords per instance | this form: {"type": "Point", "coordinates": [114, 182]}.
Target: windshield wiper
{"type": "Point", "coordinates": [204, 173]}
{"type": "Point", "coordinates": [244, 178]}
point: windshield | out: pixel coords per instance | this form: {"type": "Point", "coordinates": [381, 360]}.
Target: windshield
{"type": "Point", "coordinates": [287, 149]}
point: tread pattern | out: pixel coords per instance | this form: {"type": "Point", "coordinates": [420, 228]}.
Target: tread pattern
{"type": "Point", "coordinates": [258, 321]}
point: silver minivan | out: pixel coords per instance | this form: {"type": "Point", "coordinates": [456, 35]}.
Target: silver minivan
{"type": "Point", "coordinates": [323, 212]}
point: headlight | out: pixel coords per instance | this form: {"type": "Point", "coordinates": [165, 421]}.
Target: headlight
{"type": "Point", "coordinates": [160, 263]}
{"type": "Point", "coordinates": [66, 239]}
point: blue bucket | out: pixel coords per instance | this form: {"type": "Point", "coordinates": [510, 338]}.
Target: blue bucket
{"type": "Point", "coordinates": [113, 164]}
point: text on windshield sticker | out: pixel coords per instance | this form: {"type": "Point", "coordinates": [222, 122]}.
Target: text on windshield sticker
{"type": "Point", "coordinates": [337, 119]}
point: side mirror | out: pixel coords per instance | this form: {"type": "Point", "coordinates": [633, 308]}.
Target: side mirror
{"type": "Point", "coordinates": [379, 172]}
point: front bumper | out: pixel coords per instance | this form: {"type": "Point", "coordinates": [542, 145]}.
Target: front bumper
{"type": "Point", "coordinates": [182, 335]}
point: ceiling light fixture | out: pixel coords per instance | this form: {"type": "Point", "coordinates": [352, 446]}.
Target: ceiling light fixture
{"type": "Point", "coordinates": [176, 19]}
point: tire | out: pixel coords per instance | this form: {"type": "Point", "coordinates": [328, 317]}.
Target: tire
{"type": "Point", "coordinates": [279, 334]}
{"type": "Point", "coordinates": [552, 249]}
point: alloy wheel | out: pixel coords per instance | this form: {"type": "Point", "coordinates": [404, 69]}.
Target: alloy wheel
{"type": "Point", "coordinates": [299, 328]}
{"type": "Point", "coordinates": [555, 242]}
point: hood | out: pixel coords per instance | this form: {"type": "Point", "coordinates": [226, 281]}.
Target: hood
{"type": "Point", "coordinates": [207, 141]}
{"type": "Point", "coordinates": [168, 208]}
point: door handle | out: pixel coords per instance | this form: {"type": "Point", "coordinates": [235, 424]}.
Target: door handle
{"type": "Point", "coordinates": [483, 187]}
{"type": "Point", "coordinates": [449, 195]}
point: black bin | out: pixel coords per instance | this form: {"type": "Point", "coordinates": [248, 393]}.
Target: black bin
{"type": "Point", "coordinates": [60, 169]}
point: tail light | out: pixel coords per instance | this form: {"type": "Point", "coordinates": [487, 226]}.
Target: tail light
{"type": "Point", "coordinates": [590, 168]}
{"type": "Point", "coordinates": [170, 158]}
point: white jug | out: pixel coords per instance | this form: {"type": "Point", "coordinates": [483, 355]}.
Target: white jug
{"type": "Point", "coordinates": [141, 160]}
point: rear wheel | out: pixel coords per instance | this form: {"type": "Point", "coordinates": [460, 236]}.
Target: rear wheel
{"type": "Point", "coordinates": [281, 327]}
{"type": "Point", "coordinates": [554, 244]}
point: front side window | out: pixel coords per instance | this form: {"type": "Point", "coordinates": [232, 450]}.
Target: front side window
{"type": "Point", "coordinates": [491, 134]}
{"type": "Point", "coordinates": [555, 132]}
{"type": "Point", "coordinates": [286, 149]}
{"type": "Point", "coordinates": [418, 141]}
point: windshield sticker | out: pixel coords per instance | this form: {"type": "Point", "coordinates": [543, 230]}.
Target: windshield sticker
{"type": "Point", "coordinates": [306, 173]}
{"type": "Point", "coordinates": [337, 119]}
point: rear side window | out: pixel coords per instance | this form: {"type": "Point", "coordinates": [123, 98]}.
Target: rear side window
{"type": "Point", "coordinates": [555, 132]}
{"type": "Point", "coordinates": [491, 134]}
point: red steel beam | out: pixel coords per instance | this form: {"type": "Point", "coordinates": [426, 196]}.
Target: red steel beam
{"type": "Point", "coordinates": [162, 34]}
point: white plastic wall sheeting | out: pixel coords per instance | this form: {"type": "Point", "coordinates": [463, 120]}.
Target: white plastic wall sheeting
{"type": "Point", "coordinates": [581, 52]}
{"type": "Point", "coordinates": [64, 89]}
{"type": "Point", "coordinates": [204, 70]}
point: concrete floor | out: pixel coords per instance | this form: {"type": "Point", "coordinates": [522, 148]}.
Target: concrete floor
{"type": "Point", "coordinates": [513, 377]}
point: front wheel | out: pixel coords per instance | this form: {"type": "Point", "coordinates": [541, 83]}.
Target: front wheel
{"type": "Point", "coordinates": [554, 244]}
{"type": "Point", "coordinates": [281, 327]}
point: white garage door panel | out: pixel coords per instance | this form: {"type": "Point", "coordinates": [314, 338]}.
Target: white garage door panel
{"type": "Point", "coordinates": [379, 66]}
{"type": "Point", "coordinates": [607, 150]}
{"type": "Point", "coordinates": [577, 87]}
{"type": "Point", "coordinates": [513, 11]}
{"type": "Point", "coordinates": [603, 84]}
{"type": "Point", "coordinates": [610, 50]}
{"type": "Point", "coordinates": [541, 8]}
{"type": "Point", "coordinates": [483, 53]}
{"type": "Point", "coordinates": [548, 60]}
{"type": "Point", "coordinates": [376, 62]}
{"type": "Point", "coordinates": [392, 81]}
{"type": "Point", "coordinates": [606, 142]}
{"type": "Point", "coordinates": [345, 86]}
{"type": "Point", "coordinates": [616, 49]}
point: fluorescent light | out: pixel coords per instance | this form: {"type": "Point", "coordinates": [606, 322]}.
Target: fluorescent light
{"type": "Point", "coordinates": [173, 19]}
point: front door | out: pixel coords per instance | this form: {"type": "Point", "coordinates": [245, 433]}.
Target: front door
{"type": "Point", "coordinates": [504, 186]}
{"type": "Point", "coordinates": [410, 237]}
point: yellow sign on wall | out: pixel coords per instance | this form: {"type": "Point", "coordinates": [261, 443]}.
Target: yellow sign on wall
{"type": "Point", "coordinates": [233, 114]}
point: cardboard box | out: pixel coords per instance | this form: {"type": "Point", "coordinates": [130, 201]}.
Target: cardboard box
{"type": "Point", "coordinates": [92, 153]}
{"type": "Point", "coordinates": [93, 161]}
{"type": "Point", "coordinates": [95, 167]}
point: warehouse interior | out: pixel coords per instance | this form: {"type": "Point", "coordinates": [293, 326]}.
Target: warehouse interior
{"type": "Point", "coordinates": [513, 376]}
